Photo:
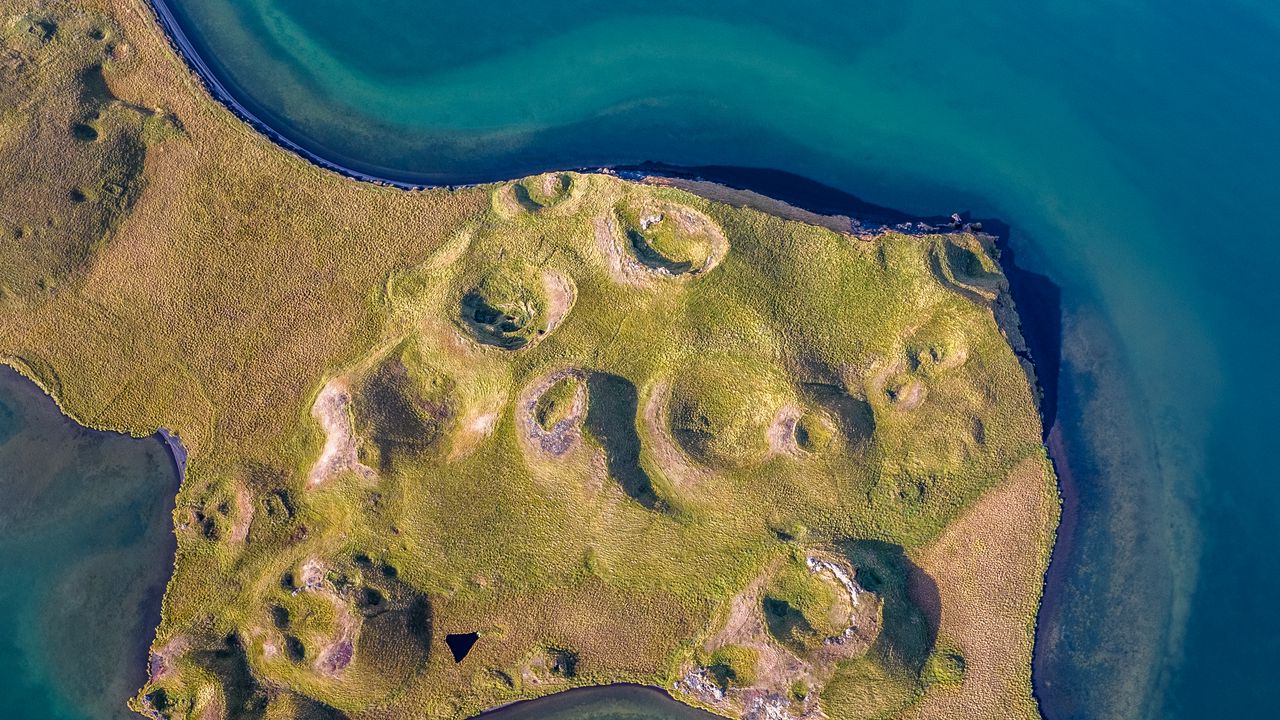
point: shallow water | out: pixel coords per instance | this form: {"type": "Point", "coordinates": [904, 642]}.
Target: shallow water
{"type": "Point", "coordinates": [86, 544]}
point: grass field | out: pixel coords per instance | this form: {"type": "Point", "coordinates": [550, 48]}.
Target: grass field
{"type": "Point", "coordinates": [608, 426]}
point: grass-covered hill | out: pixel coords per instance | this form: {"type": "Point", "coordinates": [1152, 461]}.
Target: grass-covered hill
{"type": "Point", "coordinates": [450, 449]}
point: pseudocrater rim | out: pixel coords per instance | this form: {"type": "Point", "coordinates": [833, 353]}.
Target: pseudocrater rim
{"type": "Point", "coordinates": [514, 306]}
{"type": "Point", "coordinates": [551, 411]}
{"type": "Point", "coordinates": [811, 605]}
{"type": "Point", "coordinates": [721, 409]}
{"type": "Point", "coordinates": [506, 308]}
{"type": "Point", "coordinates": [671, 238]}
{"type": "Point", "coordinates": [554, 192]}
{"type": "Point", "coordinates": [402, 407]}
{"type": "Point", "coordinates": [646, 237]}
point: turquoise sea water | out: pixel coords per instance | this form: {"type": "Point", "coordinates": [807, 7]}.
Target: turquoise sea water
{"type": "Point", "coordinates": [86, 546]}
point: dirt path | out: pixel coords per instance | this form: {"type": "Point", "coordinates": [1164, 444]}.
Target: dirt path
{"type": "Point", "coordinates": [782, 432]}
{"type": "Point", "coordinates": [471, 431]}
{"type": "Point", "coordinates": [561, 295]}
{"type": "Point", "coordinates": [244, 515]}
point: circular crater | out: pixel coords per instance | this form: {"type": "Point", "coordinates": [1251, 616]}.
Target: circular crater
{"type": "Point", "coordinates": [937, 346]}
{"type": "Point", "coordinates": [905, 392]}
{"type": "Point", "coordinates": [552, 411]}
{"type": "Point", "coordinates": [535, 194]}
{"type": "Point", "coordinates": [508, 309]}
{"type": "Point", "coordinates": [561, 404]}
{"type": "Point", "coordinates": [515, 307]}
{"type": "Point", "coordinates": [814, 431]}
{"type": "Point", "coordinates": [805, 605]}
{"type": "Point", "coordinates": [401, 408]}
{"type": "Point", "coordinates": [666, 238]}
{"type": "Point", "coordinates": [542, 192]}
{"type": "Point", "coordinates": [853, 418]}
{"type": "Point", "coordinates": [721, 410]}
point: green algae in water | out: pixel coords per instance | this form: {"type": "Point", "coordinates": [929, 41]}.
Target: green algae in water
{"type": "Point", "coordinates": [87, 545]}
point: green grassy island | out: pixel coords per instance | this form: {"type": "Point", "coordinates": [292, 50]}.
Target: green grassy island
{"type": "Point", "coordinates": [617, 430]}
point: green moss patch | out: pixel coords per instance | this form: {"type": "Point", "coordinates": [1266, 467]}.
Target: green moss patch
{"type": "Point", "coordinates": [662, 240]}
{"type": "Point", "coordinates": [721, 409]}
{"type": "Point", "coordinates": [507, 309]}
{"type": "Point", "coordinates": [945, 667]}
{"type": "Point", "coordinates": [803, 608]}
{"type": "Point", "coordinates": [556, 404]}
{"type": "Point", "coordinates": [814, 432]}
{"type": "Point", "coordinates": [735, 665]}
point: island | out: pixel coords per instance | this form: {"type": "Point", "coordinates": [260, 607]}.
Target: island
{"type": "Point", "coordinates": [448, 449]}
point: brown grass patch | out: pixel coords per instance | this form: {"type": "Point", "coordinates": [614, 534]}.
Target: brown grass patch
{"type": "Point", "coordinates": [990, 587]}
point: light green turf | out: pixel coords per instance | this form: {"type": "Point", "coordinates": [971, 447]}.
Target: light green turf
{"type": "Point", "coordinates": [802, 609]}
{"type": "Point", "coordinates": [655, 235]}
{"type": "Point", "coordinates": [735, 665]}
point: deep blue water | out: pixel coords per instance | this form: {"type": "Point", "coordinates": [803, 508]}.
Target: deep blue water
{"type": "Point", "coordinates": [86, 547]}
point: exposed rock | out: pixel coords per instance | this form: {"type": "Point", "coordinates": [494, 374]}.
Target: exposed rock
{"type": "Point", "coordinates": [331, 410]}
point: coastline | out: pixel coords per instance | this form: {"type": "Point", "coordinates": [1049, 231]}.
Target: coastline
{"type": "Point", "coordinates": [1056, 575]}
{"type": "Point", "coordinates": [182, 46]}
{"type": "Point", "coordinates": [793, 190]}
{"type": "Point", "coordinates": [15, 373]}
{"type": "Point", "coordinates": [173, 444]}
{"type": "Point", "coordinates": [177, 451]}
